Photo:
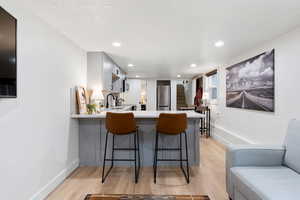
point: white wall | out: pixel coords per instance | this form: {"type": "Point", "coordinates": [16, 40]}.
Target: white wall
{"type": "Point", "coordinates": [193, 90]}
{"type": "Point", "coordinates": [264, 127]}
{"type": "Point", "coordinates": [39, 141]}
{"type": "Point", "coordinates": [95, 71]}
{"type": "Point", "coordinates": [174, 94]}
{"type": "Point", "coordinates": [189, 92]}
{"type": "Point", "coordinates": [151, 94]}
{"type": "Point", "coordinates": [133, 96]}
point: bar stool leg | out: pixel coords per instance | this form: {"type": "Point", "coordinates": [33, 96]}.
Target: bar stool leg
{"type": "Point", "coordinates": [180, 144]}
{"type": "Point", "coordinates": [138, 149]}
{"type": "Point", "coordinates": [209, 122]}
{"type": "Point", "coordinates": [187, 159]}
{"type": "Point", "coordinates": [186, 173]}
{"type": "Point", "coordinates": [155, 157]}
{"type": "Point", "coordinates": [202, 126]}
{"type": "Point", "coordinates": [104, 159]}
{"type": "Point", "coordinates": [113, 151]}
{"type": "Point", "coordinates": [135, 163]}
{"type": "Point", "coordinates": [205, 124]}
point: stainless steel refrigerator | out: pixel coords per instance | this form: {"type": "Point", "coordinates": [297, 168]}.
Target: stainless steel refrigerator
{"type": "Point", "coordinates": [163, 97]}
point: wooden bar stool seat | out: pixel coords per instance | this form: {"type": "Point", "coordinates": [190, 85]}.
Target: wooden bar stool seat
{"type": "Point", "coordinates": [121, 124]}
{"type": "Point", "coordinates": [172, 124]}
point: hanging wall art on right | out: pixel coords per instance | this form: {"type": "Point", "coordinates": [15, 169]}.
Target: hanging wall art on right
{"type": "Point", "coordinates": [250, 84]}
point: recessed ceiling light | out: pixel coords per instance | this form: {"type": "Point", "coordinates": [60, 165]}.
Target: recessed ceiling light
{"type": "Point", "coordinates": [193, 65]}
{"type": "Point", "coordinates": [137, 76]}
{"type": "Point", "coordinates": [116, 44]}
{"type": "Point", "coordinates": [130, 65]}
{"type": "Point", "coordinates": [178, 76]}
{"type": "Point", "coordinates": [219, 43]}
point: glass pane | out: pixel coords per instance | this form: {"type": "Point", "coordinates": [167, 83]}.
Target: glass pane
{"type": "Point", "coordinates": [214, 80]}
{"type": "Point", "coordinates": [213, 93]}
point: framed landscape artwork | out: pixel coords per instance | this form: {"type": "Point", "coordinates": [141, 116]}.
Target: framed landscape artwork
{"type": "Point", "coordinates": [250, 84]}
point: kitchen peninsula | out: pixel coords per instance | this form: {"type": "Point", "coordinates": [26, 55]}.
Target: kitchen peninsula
{"type": "Point", "coordinates": [92, 137]}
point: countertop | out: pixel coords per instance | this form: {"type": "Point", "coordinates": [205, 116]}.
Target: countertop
{"type": "Point", "coordinates": [138, 114]}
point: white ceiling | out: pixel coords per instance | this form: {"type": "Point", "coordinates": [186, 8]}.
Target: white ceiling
{"type": "Point", "coordinates": [163, 37]}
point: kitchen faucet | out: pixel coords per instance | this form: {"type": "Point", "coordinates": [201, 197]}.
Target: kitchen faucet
{"type": "Point", "coordinates": [107, 104]}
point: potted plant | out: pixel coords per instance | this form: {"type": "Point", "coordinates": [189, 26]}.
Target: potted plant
{"type": "Point", "coordinates": [91, 108]}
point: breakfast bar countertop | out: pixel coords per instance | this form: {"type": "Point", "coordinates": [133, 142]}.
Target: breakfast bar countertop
{"type": "Point", "coordinates": [138, 114]}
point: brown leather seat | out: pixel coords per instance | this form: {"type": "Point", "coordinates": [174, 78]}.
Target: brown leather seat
{"type": "Point", "coordinates": [120, 123]}
{"type": "Point", "coordinates": [171, 124]}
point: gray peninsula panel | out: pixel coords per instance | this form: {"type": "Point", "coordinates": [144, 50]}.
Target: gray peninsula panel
{"type": "Point", "coordinates": [92, 140]}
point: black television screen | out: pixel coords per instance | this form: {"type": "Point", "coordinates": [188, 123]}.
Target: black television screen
{"type": "Point", "coordinates": [8, 55]}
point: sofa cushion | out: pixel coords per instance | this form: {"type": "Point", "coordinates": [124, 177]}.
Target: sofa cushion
{"type": "Point", "coordinates": [292, 143]}
{"type": "Point", "coordinates": [266, 183]}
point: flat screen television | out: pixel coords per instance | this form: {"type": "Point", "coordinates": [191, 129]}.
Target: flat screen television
{"type": "Point", "coordinates": [8, 55]}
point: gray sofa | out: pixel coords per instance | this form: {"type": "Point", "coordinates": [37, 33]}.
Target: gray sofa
{"type": "Point", "coordinates": [265, 172]}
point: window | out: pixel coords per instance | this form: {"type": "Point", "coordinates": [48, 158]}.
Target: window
{"type": "Point", "coordinates": [212, 86]}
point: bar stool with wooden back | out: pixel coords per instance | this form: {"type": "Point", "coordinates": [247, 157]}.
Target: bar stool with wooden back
{"type": "Point", "coordinates": [121, 124]}
{"type": "Point", "coordinates": [172, 124]}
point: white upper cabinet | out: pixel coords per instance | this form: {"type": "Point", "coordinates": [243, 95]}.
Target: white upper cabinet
{"type": "Point", "coordinates": [103, 73]}
{"type": "Point", "coordinates": [107, 73]}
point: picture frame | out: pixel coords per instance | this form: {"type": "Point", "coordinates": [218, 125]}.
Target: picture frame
{"type": "Point", "coordinates": [81, 98]}
{"type": "Point", "coordinates": [250, 84]}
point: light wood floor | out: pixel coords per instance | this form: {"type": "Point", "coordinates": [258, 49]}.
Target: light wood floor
{"type": "Point", "coordinates": [207, 179]}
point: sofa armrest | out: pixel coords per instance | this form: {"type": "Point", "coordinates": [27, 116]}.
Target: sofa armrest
{"type": "Point", "coordinates": [251, 155]}
{"type": "Point", "coordinates": [254, 155]}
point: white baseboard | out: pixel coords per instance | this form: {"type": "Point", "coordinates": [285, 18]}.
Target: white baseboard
{"type": "Point", "coordinates": [227, 137]}
{"type": "Point", "coordinates": [52, 184]}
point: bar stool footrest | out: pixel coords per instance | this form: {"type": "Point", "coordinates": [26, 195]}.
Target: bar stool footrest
{"type": "Point", "coordinates": [125, 149]}
{"type": "Point", "coordinates": [171, 160]}
{"type": "Point", "coordinates": [168, 149]}
{"type": "Point", "coordinates": [119, 160]}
